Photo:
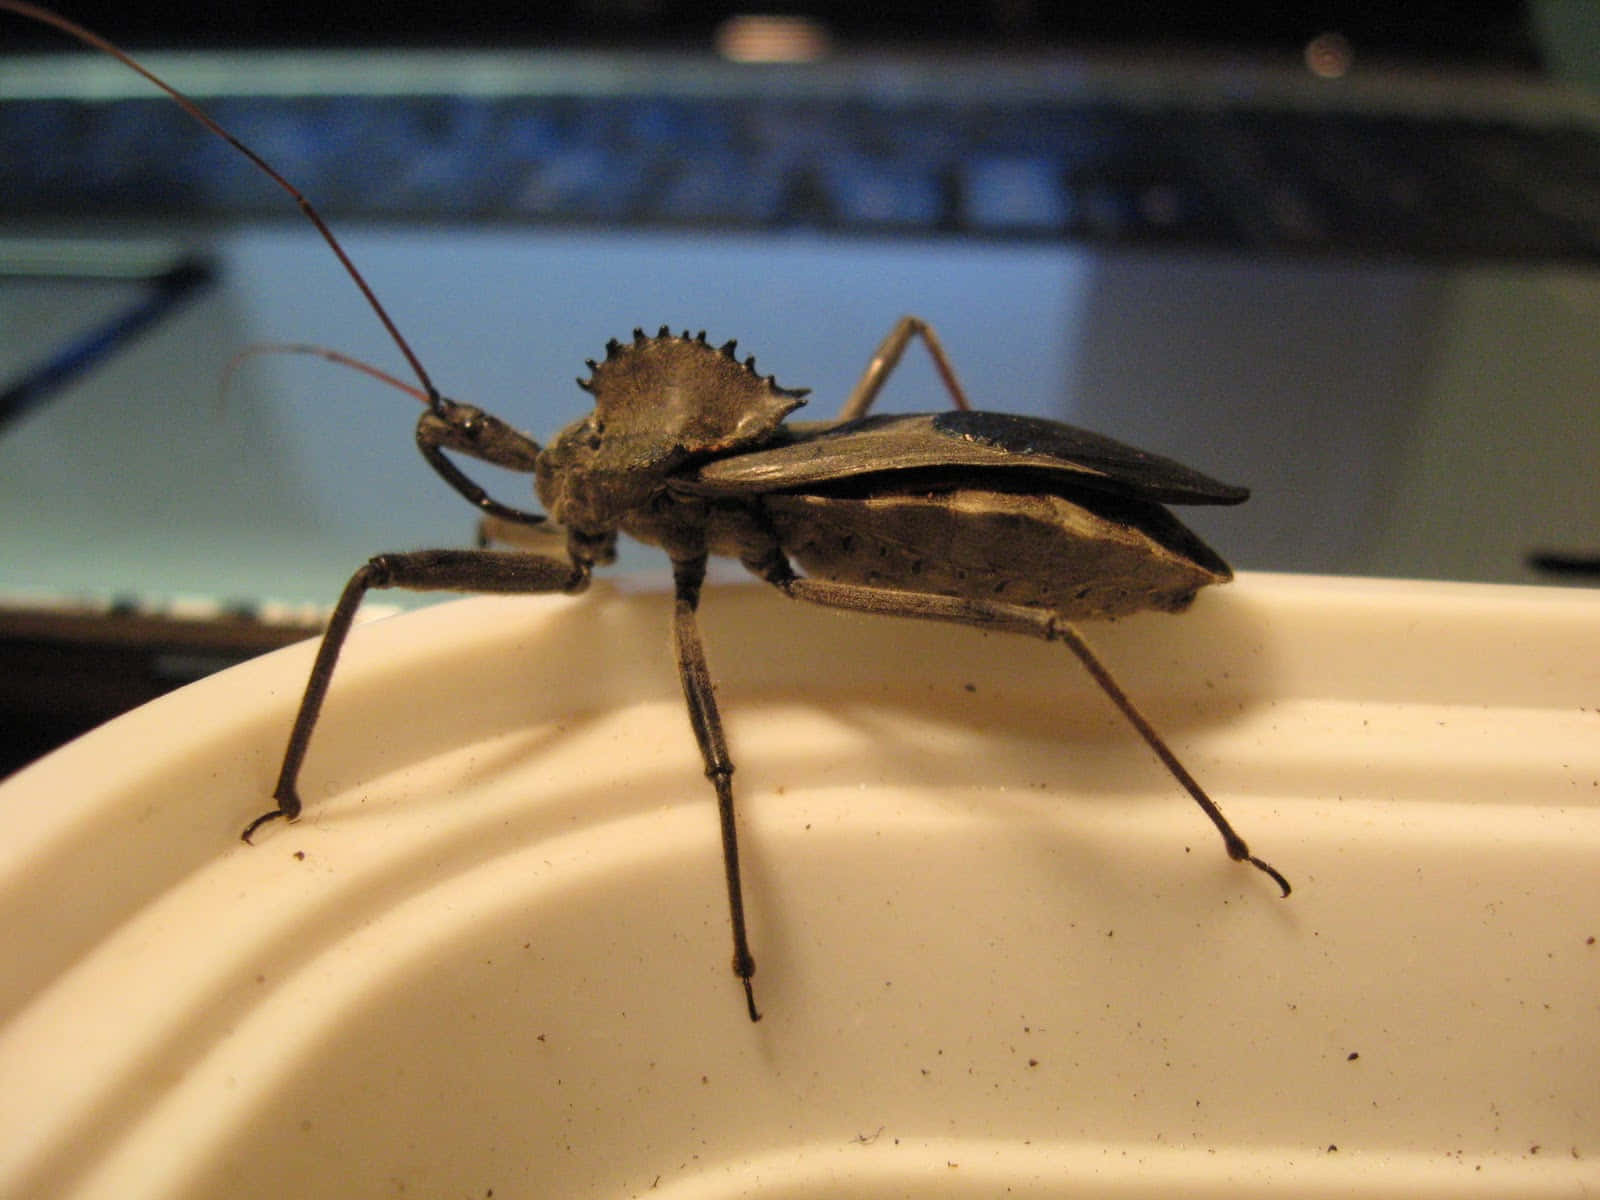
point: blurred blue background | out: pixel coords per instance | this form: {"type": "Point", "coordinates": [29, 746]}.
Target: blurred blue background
{"type": "Point", "coordinates": [1343, 253]}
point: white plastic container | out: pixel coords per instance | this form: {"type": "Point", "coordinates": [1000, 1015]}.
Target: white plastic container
{"type": "Point", "coordinates": [1000, 953]}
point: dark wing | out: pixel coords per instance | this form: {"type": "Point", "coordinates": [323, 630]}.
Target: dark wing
{"type": "Point", "coordinates": [953, 448]}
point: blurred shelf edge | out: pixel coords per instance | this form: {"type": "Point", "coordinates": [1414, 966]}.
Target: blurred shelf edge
{"type": "Point", "coordinates": [167, 277]}
{"type": "Point", "coordinates": [1140, 151]}
{"type": "Point", "coordinates": [64, 671]}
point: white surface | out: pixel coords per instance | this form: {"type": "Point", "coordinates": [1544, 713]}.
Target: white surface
{"type": "Point", "coordinates": [998, 951]}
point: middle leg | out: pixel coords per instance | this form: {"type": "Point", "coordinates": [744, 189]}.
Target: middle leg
{"type": "Point", "coordinates": [700, 694]}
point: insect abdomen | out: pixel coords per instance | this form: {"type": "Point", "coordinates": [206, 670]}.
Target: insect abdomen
{"type": "Point", "coordinates": [1081, 558]}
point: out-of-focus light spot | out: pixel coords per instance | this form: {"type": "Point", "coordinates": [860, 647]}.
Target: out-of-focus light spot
{"type": "Point", "coordinates": [756, 38]}
{"type": "Point", "coordinates": [1329, 55]}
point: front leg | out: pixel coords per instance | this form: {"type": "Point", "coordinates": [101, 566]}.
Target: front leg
{"type": "Point", "coordinates": [467, 429]}
{"type": "Point", "coordinates": [420, 570]}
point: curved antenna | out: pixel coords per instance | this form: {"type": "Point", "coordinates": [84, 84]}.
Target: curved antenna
{"type": "Point", "coordinates": [337, 357]}
{"type": "Point", "coordinates": [94, 40]}
{"type": "Point", "coordinates": [446, 425]}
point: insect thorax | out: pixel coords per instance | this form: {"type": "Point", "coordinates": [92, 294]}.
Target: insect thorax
{"type": "Point", "coordinates": [659, 403]}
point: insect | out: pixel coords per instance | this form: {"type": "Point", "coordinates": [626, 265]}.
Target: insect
{"type": "Point", "coordinates": [1006, 523]}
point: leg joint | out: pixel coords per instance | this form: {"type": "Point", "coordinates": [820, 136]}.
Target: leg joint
{"type": "Point", "coordinates": [378, 572]}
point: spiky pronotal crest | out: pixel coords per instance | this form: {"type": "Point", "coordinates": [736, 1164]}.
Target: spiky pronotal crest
{"type": "Point", "coordinates": [683, 387]}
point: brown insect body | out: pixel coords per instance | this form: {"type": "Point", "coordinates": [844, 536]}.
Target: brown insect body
{"type": "Point", "coordinates": [686, 448]}
{"type": "Point", "coordinates": [1034, 549]}
{"type": "Point", "coordinates": [1013, 524]}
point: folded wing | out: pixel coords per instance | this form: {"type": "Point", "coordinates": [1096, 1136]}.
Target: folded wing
{"type": "Point", "coordinates": [958, 448]}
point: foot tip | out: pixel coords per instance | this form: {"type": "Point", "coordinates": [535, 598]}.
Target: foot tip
{"type": "Point", "coordinates": [1272, 871]}
{"type": "Point", "coordinates": [250, 829]}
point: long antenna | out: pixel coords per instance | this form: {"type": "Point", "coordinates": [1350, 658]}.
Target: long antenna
{"type": "Point", "coordinates": [337, 357]}
{"type": "Point", "coordinates": [92, 39]}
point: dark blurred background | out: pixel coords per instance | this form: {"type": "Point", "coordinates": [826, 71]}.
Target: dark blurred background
{"type": "Point", "coordinates": [1486, 31]}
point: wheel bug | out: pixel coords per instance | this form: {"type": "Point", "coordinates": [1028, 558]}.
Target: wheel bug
{"type": "Point", "coordinates": [1005, 523]}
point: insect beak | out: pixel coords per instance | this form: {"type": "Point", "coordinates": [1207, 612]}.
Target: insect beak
{"type": "Point", "coordinates": [469, 430]}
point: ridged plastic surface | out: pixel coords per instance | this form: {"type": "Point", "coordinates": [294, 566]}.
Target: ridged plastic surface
{"type": "Point", "coordinates": [998, 951]}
